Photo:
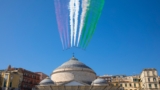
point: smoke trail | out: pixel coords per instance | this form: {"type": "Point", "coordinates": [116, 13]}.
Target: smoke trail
{"type": "Point", "coordinates": [63, 18]}
{"type": "Point", "coordinates": [91, 11]}
{"type": "Point", "coordinates": [86, 24]}
{"type": "Point", "coordinates": [97, 12]}
{"type": "Point", "coordinates": [71, 7]}
{"type": "Point", "coordinates": [67, 30]}
{"type": "Point", "coordinates": [57, 9]}
{"type": "Point", "coordinates": [65, 22]}
{"type": "Point", "coordinates": [76, 19]}
{"type": "Point", "coordinates": [85, 5]}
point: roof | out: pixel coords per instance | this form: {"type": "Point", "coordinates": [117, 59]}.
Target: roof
{"type": "Point", "coordinates": [99, 81]}
{"type": "Point", "coordinates": [118, 76]}
{"type": "Point", "coordinates": [46, 81]}
{"type": "Point", "coordinates": [149, 69]}
{"type": "Point", "coordinates": [72, 63]}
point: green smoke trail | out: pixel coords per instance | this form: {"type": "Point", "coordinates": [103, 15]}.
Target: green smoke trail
{"type": "Point", "coordinates": [96, 15]}
{"type": "Point", "coordinates": [91, 20]}
{"type": "Point", "coordinates": [85, 25]}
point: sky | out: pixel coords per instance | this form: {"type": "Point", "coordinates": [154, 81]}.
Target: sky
{"type": "Point", "coordinates": [126, 40]}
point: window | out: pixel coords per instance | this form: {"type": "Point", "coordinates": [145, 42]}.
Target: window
{"type": "Point", "coordinates": [5, 79]}
{"type": "Point", "coordinates": [154, 79]}
{"type": "Point", "coordinates": [116, 84]}
{"type": "Point", "coordinates": [150, 86]}
{"type": "Point", "coordinates": [135, 80]}
{"type": "Point", "coordinates": [10, 84]}
{"type": "Point", "coordinates": [134, 85]}
{"type": "Point", "coordinates": [130, 85]}
{"type": "Point", "coordinates": [121, 85]}
{"type": "Point", "coordinates": [155, 85]}
{"type": "Point", "coordinates": [125, 85]}
{"type": "Point", "coordinates": [148, 79]}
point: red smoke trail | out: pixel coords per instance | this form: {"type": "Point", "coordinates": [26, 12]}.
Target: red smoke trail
{"type": "Point", "coordinates": [63, 22]}
{"type": "Point", "coordinates": [60, 27]}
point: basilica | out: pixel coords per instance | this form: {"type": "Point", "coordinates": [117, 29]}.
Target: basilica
{"type": "Point", "coordinates": [75, 75]}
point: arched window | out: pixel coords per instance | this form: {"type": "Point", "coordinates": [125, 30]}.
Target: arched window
{"type": "Point", "coordinates": [154, 79]}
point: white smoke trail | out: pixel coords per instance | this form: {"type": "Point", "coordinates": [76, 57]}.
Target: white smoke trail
{"type": "Point", "coordinates": [77, 4]}
{"type": "Point", "coordinates": [71, 8]}
{"type": "Point", "coordinates": [85, 5]}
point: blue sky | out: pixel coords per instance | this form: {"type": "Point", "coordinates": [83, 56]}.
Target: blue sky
{"type": "Point", "coordinates": [126, 40]}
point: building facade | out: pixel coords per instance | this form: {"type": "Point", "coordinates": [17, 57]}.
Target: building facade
{"type": "Point", "coordinates": [107, 78]}
{"type": "Point", "coordinates": [147, 80]}
{"type": "Point", "coordinates": [11, 80]}
{"type": "Point", "coordinates": [127, 82]}
{"type": "Point", "coordinates": [29, 80]}
{"type": "Point", "coordinates": [42, 75]}
{"type": "Point", "coordinates": [1, 78]}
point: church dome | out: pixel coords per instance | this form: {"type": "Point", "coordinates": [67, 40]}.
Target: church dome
{"type": "Point", "coordinates": [46, 81]}
{"type": "Point", "coordinates": [73, 70]}
{"type": "Point", "coordinates": [73, 63]}
{"type": "Point", "coordinates": [99, 81]}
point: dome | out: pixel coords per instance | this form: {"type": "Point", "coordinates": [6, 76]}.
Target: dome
{"type": "Point", "coordinates": [99, 81]}
{"type": "Point", "coordinates": [46, 81]}
{"type": "Point", "coordinates": [73, 63]}
{"type": "Point", "coordinates": [73, 70]}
